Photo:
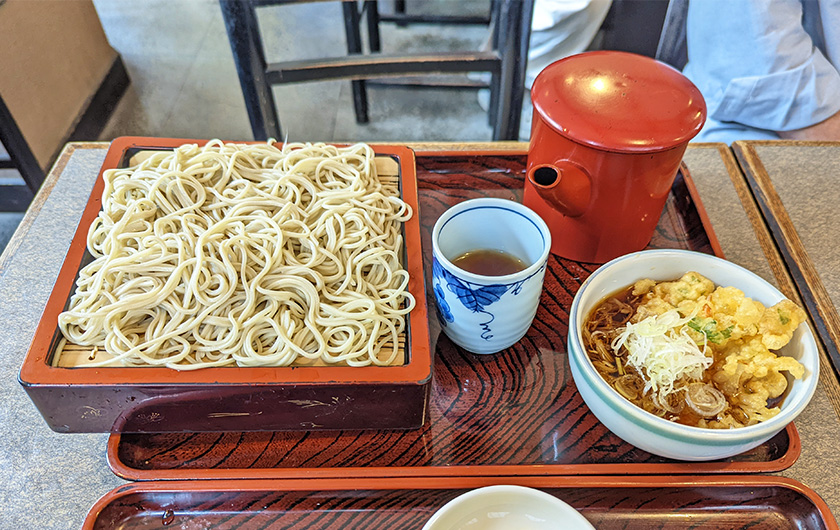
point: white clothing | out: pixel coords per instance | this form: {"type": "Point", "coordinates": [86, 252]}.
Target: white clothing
{"type": "Point", "coordinates": [560, 28]}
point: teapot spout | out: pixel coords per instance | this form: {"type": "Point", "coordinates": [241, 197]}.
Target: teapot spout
{"type": "Point", "coordinates": [565, 186]}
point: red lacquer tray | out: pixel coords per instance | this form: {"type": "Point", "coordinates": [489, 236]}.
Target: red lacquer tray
{"type": "Point", "coordinates": [517, 412]}
{"type": "Point", "coordinates": [607, 502]}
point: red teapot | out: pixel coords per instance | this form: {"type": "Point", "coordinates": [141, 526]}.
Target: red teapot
{"type": "Point", "coordinates": [608, 134]}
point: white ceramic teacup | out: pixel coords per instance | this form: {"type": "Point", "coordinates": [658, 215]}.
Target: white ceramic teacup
{"type": "Point", "coordinates": [486, 314]}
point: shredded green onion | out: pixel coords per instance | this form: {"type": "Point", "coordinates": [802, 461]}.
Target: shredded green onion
{"type": "Point", "coordinates": [662, 350]}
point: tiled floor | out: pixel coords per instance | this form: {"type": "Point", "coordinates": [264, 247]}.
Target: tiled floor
{"type": "Point", "coordinates": [184, 84]}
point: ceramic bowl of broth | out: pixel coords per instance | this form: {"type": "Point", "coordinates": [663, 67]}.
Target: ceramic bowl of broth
{"type": "Point", "coordinates": [650, 432]}
{"type": "Point", "coordinates": [506, 507]}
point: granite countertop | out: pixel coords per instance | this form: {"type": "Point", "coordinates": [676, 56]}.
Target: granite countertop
{"type": "Point", "coordinates": [784, 176]}
{"type": "Point", "coordinates": [50, 480]}
{"type": "Point", "coordinates": [47, 479]}
{"type": "Point", "coordinates": [745, 240]}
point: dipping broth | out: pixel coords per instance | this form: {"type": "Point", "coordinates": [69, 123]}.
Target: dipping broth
{"type": "Point", "coordinates": [694, 353]}
{"type": "Point", "coordinates": [489, 262]}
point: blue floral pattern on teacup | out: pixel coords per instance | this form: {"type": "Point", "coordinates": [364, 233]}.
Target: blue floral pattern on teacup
{"type": "Point", "coordinates": [473, 296]}
{"type": "Point", "coordinates": [444, 313]}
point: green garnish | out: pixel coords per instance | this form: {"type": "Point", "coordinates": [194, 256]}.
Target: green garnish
{"type": "Point", "coordinates": [782, 317]}
{"type": "Point", "coordinates": [708, 327]}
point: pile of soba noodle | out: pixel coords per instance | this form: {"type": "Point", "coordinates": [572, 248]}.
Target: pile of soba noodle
{"type": "Point", "coordinates": [244, 254]}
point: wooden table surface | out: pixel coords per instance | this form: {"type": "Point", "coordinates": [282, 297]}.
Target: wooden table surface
{"type": "Point", "coordinates": [50, 480]}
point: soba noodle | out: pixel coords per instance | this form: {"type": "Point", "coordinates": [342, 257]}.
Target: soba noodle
{"type": "Point", "coordinates": [244, 254]}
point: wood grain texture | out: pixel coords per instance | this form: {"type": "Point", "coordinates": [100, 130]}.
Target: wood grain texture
{"type": "Point", "coordinates": [608, 503]}
{"type": "Point", "coordinates": [512, 413]}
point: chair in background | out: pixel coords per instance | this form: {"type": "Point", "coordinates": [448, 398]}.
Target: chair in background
{"type": "Point", "coordinates": [15, 197]}
{"type": "Point", "coordinates": [401, 18]}
{"type": "Point", "coordinates": [506, 61]}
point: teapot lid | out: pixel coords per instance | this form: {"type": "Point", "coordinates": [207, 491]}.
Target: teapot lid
{"type": "Point", "coordinates": [619, 101]}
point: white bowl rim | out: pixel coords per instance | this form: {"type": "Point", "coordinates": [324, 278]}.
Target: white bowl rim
{"type": "Point", "coordinates": [717, 437]}
{"type": "Point", "coordinates": [509, 489]}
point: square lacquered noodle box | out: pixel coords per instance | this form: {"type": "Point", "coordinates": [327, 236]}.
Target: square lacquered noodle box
{"type": "Point", "coordinates": [73, 397]}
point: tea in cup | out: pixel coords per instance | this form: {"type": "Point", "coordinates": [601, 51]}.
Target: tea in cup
{"type": "Point", "coordinates": [489, 259]}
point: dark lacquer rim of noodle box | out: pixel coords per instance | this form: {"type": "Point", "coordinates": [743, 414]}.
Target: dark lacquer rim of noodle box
{"type": "Point", "coordinates": [159, 399]}
{"type": "Point", "coordinates": [606, 502]}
